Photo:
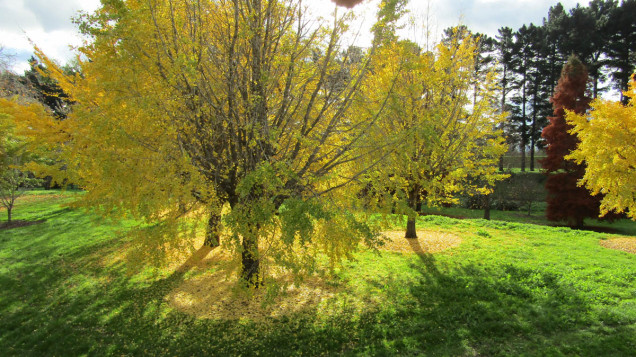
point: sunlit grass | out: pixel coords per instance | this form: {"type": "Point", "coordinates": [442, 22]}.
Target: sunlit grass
{"type": "Point", "coordinates": [501, 288]}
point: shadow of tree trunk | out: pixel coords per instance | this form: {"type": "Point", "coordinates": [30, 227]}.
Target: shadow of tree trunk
{"type": "Point", "coordinates": [162, 287]}
{"type": "Point", "coordinates": [425, 257]}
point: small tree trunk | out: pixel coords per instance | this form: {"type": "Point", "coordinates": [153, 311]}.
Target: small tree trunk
{"type": "Point", "coordinates": [532, 157]}
{"type": "Point", "coordinates": [532, 137]}
{"type": "Point", "coordinates": [524, 126]}
{"type": "Point", "coordinates": [501, 163]}
{"type": "Point", "coordinates": [410, 228]}
{"type": "Point", "coordinates": [250, 262]}
{"type": "Point", "coordinates": [212, 232]}
{"type": "Point", "coordinates": [576, 222]}
{"type": "Point", "coordinates": [523, 155]}
{"type": "Point", "coordinates": [414, 203]}
{"type": "Point", "coordinates": [9, 214]}
{"type": "Point", "coordinates": [487, 207]}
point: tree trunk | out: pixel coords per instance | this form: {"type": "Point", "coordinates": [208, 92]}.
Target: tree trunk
{"type": "Point", "coordinates": [9, 214]}
{"type": "Point", "coordinates": [250, 262]}
{"type": "Point", "coordinates": [532, 144]}
{"type": "Point", "coordinates": [414, 203]}
{"type": "Point", "coordinates": [576, 222]}
{"type": "Point", "coordinates": [487, 207]}
{"type": "Point", "coordinates": [503, 108]}
{"type": "Point", "coordinates": [410, 228]}
{"type": "Point", "coordinates": [524, 127]}
{"type": "Point", "coordinates": [533, 134]}
{"type": "Point", "coordinates": [212, 232]}
{"type": "Point", "coordinates": [524, 133]}
{"type": "Point", "coordinates": [523, 155]}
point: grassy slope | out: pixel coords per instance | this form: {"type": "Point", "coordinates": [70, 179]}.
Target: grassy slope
{"type": "Point", "coordinates": [536, 216]}
{"type": "Point", "coordinates": [509, 289]}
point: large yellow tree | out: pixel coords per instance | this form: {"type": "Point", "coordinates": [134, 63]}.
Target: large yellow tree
{"type": "Point", "coordinates": [186, 106]}
{"type": "Point", "coordinates": [607, 147]}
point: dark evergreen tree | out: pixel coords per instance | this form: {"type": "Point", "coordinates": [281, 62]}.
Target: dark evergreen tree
{"type": "Point", "coordinates": [485, 57]}
{"type": "Point", "coordinates": [622, 44]}
{"type": "Point", "coordinates": [556, 35]}
{"type": "Point", "coordinates": [523, 51]}
{"type": "Point", "coordinates": [504, 46]}
{"type": "Point", "coordinates": [538, 97]}
{"type": "Point", "coordinates": [593, 44]}
{"type": "Point", "coordinates": [46, 90]}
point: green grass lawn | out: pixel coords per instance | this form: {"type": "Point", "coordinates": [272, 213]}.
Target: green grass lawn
{"type": "Point", "coordinates": [509, 289]}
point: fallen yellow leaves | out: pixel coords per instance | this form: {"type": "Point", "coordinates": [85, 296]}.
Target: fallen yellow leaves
{"type": "Point", "coordinates": [212, 293]}
{"type": "Point", "coordinates": [428, 241]}
{"type": "Point", "coordinates": [625, 244]}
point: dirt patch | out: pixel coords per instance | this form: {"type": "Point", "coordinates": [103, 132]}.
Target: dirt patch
{"type": "Point", "coordinates": [19, 223]}
{"type": "Point", "coordinates": [625, 244]}
{"type": "Point", "coordinates": [427, 242]}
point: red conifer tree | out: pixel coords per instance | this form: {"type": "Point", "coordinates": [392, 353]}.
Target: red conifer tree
{"type": "Point", "coordinates": [567, 201]}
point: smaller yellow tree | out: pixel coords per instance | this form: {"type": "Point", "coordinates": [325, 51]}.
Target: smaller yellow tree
{"type": "Point", "coordinates": [14, 179]}
{"type": "Point", "coordinates": [608, 149]}
{"type": "Point", "coordinates": [444, 119]}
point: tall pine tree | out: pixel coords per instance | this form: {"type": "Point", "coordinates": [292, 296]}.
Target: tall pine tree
{"type": "Point", "coordinates": [524, 53]}
{"type": "Point", "coordinates": [595, 41]}
{"type": "Point", "coordinates": [503, 46]}
{"type": "Point", "coordinates": [622, 49]}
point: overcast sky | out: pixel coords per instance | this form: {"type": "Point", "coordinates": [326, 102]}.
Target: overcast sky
{"type": "Point", "coordinates": [48, 22]}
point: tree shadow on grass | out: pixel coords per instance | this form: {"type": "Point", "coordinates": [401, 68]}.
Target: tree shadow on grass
{"type": "Point", "coordinates": [427, 259]}
{"type": "Point", "coordinates": [160, 288]}
{"type": "Point", "coordinates": [73, 306]}
{"type": "Point", "coordinates": [19, 223]}
{"type": "Point", "coordinates": [470, 310]}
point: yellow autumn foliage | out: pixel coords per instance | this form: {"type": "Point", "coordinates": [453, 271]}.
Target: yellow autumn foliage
{"type": "Point", "coordinates": [183, 108]}
{"type": "Point", "coordinates": [607, 147]}
{"type": "Point", "coordinates": [444, 120]}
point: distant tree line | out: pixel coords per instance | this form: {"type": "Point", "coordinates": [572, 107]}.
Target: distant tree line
{"type": "Point", "coordinates": [530, 59]}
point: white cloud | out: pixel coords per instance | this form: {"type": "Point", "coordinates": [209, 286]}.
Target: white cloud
{"type": "Point", "coordinates": [47, 23]}
{"type": "Point", "coordinates": [483, 16]}
{"type": "Point", "coordinates": [14, 14]}
{"type": "Point", "coordinates": [487, 16]}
